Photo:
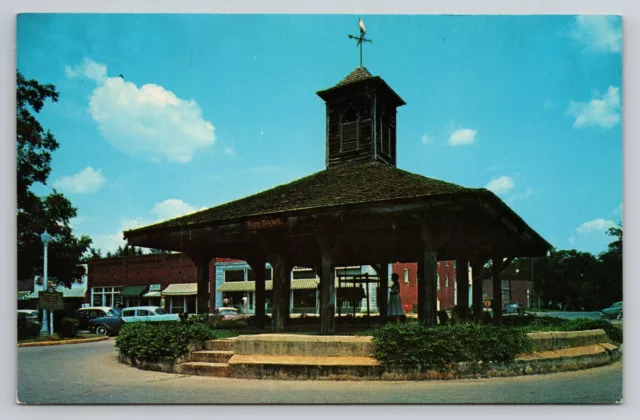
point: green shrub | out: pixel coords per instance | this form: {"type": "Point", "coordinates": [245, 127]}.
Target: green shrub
{"type": "Point", "coordinates": [198, 319]}
{"type": "Point", "coordinates": [412, 345]}
{"type": "Point", "coordinates": [149, 340]}
{"type": "Point", "coordinates": [230, 323]}
{"type": "Point", "coordinates": [26, 327]}
{"type": "Point", "coordinates": [68, 328]}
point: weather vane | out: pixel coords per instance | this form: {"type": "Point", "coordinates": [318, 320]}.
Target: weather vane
{"type": "Point", "coordinates": [361, 39]}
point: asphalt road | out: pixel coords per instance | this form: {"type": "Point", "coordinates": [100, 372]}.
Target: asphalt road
{"type": "Point", "coordinates": [90, 374]}
{"type": "Point", "coordinates": [571, 315]}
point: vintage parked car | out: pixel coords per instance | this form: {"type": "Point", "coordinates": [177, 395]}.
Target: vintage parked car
{"type": "Point", "coordinates": [614, 312]}
{"type": "Point", "coordinates": [513, 308]}
{"type": "Point", "coordinates": [147, 313]}
{"type": "Point", "coordinates": [86, 314]}
{"type": "Point", "coordinates": [225, 314]}
{"type": "Point", "coordinates": [30, 314]}
{"type": "Point", "coordinates": [111, 324]}
{"type": "Point", "coordinates": [106, 325]}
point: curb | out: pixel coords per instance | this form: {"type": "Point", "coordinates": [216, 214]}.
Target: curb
{"type": "Point", "coordinates": [60, 342]}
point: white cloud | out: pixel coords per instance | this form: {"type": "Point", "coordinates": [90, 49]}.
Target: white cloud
{"type": "Point", "coordinates": [172, 208]}
{"type": "Point", "coordinates": [463, 136]}
{"type": "Point", "coordinates": [548, 104]}
{"type": "Point", "coordinates": [161, 211]}
{"type": "Point", "coordinates": [89, 69]}
{"type": "Point", "coordinates": [501, 185]}
{"type": "Point", "coordinates": [599, 33]}
{"type": "Point", "coordinates": [229, 151]}
{"type": "Point", "coordinates": [86, 181]}
{"type": "Point", "coordinates": [603, 110]}
{"type": "Point", "coordinates": [618, 211]}
{"type": "Point", "coordinates": [427, 139]}
{"type": "Point", "coordinates": [597, 225]}
{"type": "Point", "coordinates": [528, 193]}
{"type": "Point", "coordinates": [147, 121]}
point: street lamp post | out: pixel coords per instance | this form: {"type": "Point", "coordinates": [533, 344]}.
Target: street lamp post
{"type": "Point", "coordinates": [45, 237]}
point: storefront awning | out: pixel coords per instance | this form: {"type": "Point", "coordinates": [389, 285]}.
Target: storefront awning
{"type": "Point", "coordinates": [181, 289]}
{"type": "Point", "coordinates": [23, 295]}
{"type": "Point", "coordinates": [250, 286]}
{"type": "Point", "coordinates": [155, 294]}
{"type": "Point", "coordinates": [133, 291]}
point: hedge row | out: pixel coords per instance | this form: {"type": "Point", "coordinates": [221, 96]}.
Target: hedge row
{"type": "Point", "coordinates": [545, 323]}
{"type": "Point", "coordinates": [412, 345]}
{"type": "Point", "coordinates": [149, 340]}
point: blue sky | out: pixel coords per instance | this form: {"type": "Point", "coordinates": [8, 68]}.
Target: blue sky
{"type": "Point", "coordinates": [211, 108]}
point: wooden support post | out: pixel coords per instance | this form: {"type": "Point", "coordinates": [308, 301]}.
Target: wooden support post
{"type": "Point", "coordinates": [279, 265]}
{"type": "Point", "coordinates": [286, 303]}
{"type": "Point", "coordinates": [477, 268]}
{"type": "Point", "coordinates": [421, 292]}
{"type": "Point", "coordinates": [427, 283]}
{"type": "Point", "coordinates": [496, 304]}
{"type": "Point", "coordinates": [327, 244]}
{"type": "Point", "coordinates": [383, 300]}
{"type": "Point", "coordinates": [327, 296]}
{"type": "Point", "coordinates": [462, 281]}
{"type": "Point", "coordinates": [201, 258]}
{"type": "Point", "coordinates": [259, 269]}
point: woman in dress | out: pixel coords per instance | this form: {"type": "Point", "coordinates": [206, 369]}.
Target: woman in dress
{"type": "Point", "coordinates": [395, 303]}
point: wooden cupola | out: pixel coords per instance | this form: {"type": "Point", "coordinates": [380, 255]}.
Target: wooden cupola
{"type": "Point", "coordinates": [361, 120]}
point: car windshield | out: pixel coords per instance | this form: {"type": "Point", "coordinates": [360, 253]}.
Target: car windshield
{"type": "Point", "coordinates": [112, 312]}
{"type": "Point", "coordinates": [159, 311]}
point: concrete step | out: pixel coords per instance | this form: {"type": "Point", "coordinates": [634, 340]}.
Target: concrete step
{"type": "Point", "coordinates": [221, 345]}
{"type": "Point", "coordinates": [260, 366]}
{"type": "Point", "coordinates": [204, 369]}
{"type": "Point", "coordinates": [211, 356]}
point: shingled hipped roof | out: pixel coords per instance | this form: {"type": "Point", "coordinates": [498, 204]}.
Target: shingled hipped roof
{"type": "Point", "coordinates": [359, 74]}
{"type": "Point", "coordinates": [360, 183]}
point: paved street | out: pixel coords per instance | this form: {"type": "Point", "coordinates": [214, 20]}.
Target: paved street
{"type": "Point", "coordinates": [90, 374]}
{"type": "Point", "coordinates": [570, 314]}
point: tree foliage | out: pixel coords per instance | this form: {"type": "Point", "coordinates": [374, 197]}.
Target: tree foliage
{"type": "Point", "coordinates": [125, 251]}
{"type": "Point", "coordinates": [52, 212]}
{"type": "Point", "coordinates": [574, 279]}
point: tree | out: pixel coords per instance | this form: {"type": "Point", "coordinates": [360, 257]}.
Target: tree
{"type": "Point", "coordinates": [611, 269]}
{"type": "Point", "coordinates": [35, 214]}
{"type": "Point", "coordinates": [125, 251]}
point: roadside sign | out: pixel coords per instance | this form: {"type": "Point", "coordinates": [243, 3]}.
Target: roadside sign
{"type": "Point", "coordinates": [51, 300]}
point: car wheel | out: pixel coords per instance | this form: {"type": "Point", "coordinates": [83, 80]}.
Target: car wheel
{"type": "Point", "coordinates": [102, 330]}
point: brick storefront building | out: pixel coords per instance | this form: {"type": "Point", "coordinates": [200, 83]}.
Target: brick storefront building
{"type": "Point", "coordinates": [446, 278]}
{"type": "Point", "coordinates": [144, 280]}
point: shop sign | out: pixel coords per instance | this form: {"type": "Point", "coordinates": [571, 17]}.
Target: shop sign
{"type": "Point", "coordinates": [155, 287]}
{"type": "Point", "coordinates": [264, 223]}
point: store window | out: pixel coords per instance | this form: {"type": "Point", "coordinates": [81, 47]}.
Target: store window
{"type": "Point", "coordinates": [446, 281]}
{"type": "Point", "coordinates": [303, 274]}
{"type": "Point", "coordinates": [105, 296]}
{"type": "Point", "coordinates": [233, 275]}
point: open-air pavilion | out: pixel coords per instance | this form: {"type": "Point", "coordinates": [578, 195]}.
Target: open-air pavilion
{"type": "Point", "coordinates": [360, 210]}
